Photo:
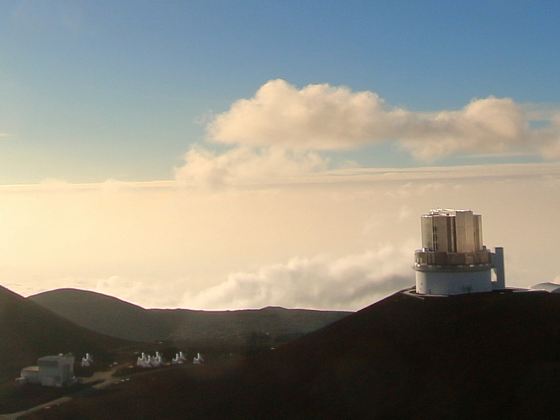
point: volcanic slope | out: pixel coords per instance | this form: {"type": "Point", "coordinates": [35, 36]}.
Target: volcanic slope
{"type": "Point", "coordinates": [475, 356]}
{"type": "Point", "coordinates": [28, 331]}
{"type": "Point", "coordinates": [112, 316]}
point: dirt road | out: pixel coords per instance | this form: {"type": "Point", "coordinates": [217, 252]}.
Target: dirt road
{"type": "Point", "coordinates": [99, 379]}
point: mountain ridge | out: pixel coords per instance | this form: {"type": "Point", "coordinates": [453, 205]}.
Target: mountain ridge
{"type": "Point", "coordinates": [491, 355]}
{"type": "Point", "coordinates": [118, 318]}
{"type": "Point", "coordinates": [28, 330]}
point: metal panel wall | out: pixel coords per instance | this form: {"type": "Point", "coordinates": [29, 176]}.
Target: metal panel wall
{"type": "Point", "coordinates": [427, 232]}
{"type": "Point", "coordinates": [464, 225]}
{"type": "Point", "coordinates": [441, 233]}
{"type": "Point", "coordinates": [478, 232]}
{"type": "Point", "coordinates": [453, 283]}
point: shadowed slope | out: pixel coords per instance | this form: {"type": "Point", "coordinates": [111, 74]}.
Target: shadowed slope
{"type": "Point", "coordinates": [28, 331]}
{"type": "Point", "coordinates": [112, 316]}
{"type": "Point", "coordinates": [104, 314]}
{"type": "Point", "coordinates": [477, 356]}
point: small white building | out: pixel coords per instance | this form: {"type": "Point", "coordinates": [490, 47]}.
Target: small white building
{"type": "Point", "coordinates": [54, 371]}
{"type": "Point", "coordinates": [87, 360]}
{"type": "Point", "coordinates": [147, 361]}
{"type": "Point", "coordinates": [157, 360]}
{"type": "Point", "coordinates": [198, 360]}
{"type": "Point", "coordinates": [179, 359]}
{"type": "Point", "coordinates": [453, 259]}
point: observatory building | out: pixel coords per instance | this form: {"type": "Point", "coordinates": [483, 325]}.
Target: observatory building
{"type": "Point", "coordinates": [54, 371]}
{"type": "Point", "coordinates": [453, 259]}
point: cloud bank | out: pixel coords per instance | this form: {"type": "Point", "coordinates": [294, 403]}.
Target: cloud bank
{"type": "Point", "coordinates": [283, 133]}
{"type": "Point", "coordinates": [325, 117]}
{"type": "Point", "coordinates": [246, 166]}
{"type": "Point", "coordinates": [348, 282]}
{"type": "Point", "coordinates": [337, 239]}
{"type": "Point", "coordinates": [301, 230]}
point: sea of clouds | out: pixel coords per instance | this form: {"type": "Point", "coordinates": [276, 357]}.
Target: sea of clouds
{"type": "Point", "coordinates": [263, 213]}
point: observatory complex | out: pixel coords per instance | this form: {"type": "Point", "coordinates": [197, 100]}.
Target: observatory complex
{"type": "Point", "coordinates": [54, 371]}
{"type": "Point", "coordinates": [453, 259]}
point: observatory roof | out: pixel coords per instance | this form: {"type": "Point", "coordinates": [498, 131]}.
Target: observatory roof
{"type": "Point", "coordinates": [51, 358]}
{"type": "Point", "coordinates": [446, 212]}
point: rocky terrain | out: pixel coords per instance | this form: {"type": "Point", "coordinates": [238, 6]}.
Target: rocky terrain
{"type": "Point", "coordinates": [492, 355]}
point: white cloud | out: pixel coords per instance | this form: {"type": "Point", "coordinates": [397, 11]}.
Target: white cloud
{"type": "Point", "coordinates": [348, 282]}
{"type": "Point", "coordinates": [315, 117]}
{"type": "Point", "coordinates": [277, 136]}
{"type": "Point", "coordinates": [489, 125]}
{"type": "Point", "coordinates": [159, 245]}
{"type": "Point", "coordinates": [324, 117]}
{"type": "Point", "coordinates": [246, 166]}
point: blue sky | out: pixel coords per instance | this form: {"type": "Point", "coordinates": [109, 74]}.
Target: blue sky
{"type": "Point", "coordinates": [255, 202]}
{"type": "Point", "coordinates": [94, 90]}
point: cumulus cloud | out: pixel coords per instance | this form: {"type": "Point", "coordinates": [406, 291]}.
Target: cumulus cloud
{"type": "Point", "coordinates": [490, 125]}
{"type": "Point", "coordinates": [246, 166]}
{"type": "Point", "coordinates": [324, 117]}
{"type": "Point", "coordinates": [281, 133]}
{"type": "Point", "coordinates": [348, 282]}
{"type": "Point", "coordinates": [315, 117]}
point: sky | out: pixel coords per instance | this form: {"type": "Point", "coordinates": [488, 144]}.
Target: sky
{"type": "Point", "coordinates": [218, 154]}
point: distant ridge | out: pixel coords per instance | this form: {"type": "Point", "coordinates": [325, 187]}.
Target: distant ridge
{"type": "Point", "coordinates": [491, 355]}
{"type": "Point", "coordinates": [109, 315]}
{"type": "Point", "coordinates": [27, 331]}
{"type": "Point", "coordinates": [103, 313]}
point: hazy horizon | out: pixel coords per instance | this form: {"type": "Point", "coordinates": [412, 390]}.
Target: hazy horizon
{"type": "Point", "coordinates": [350, 241]}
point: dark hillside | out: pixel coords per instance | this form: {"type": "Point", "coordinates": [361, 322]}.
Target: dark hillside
{"type": "Point", "coordinates": [112, 316]}
{"type": "Point", "coordinates": [104, 314]}
{"type": "Point", "coordinates": [472, 356]}
{"type": "Point", "coordinates": [28, 331]}
{"type": "Point", "coordinates": [477, 356]}
{"type": "Point", "coordinates": [238, 327]}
